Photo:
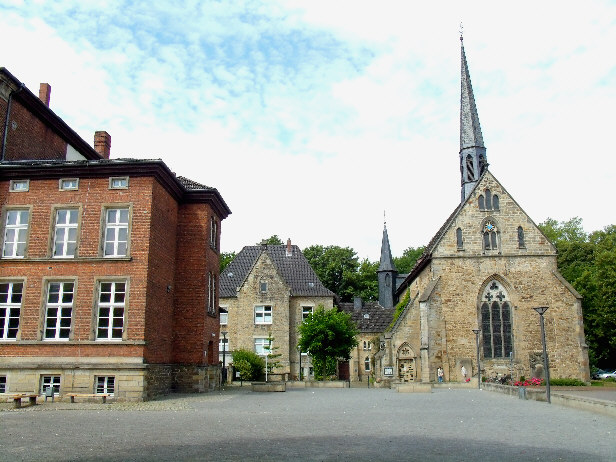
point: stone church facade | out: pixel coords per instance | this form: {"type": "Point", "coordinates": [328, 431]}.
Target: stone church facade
{"type": "Point", "coordinates": [486, 268]}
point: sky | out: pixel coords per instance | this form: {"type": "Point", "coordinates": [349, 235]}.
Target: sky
{"type": "Point", "coordinates": [316, 120]}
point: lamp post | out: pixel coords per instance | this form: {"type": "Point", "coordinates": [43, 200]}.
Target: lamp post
{"type": "Point", "coordinates": [299, 351]}
{"type": "Point", "coordinates": [541, 310]}
{"type": "Point", "coordinates": [476, 331]}
{"type": "Point", "coordinates": [224, 356]}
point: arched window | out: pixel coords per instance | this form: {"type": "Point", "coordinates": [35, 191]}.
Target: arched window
{"type": "Point", "coordinates": [365, 345]}
{"type": "Point", "coordinates": [482, 164]}
{"type": "Point", "coordinates": [490, 236]}
{"type": "Point", "coordinates": [367, 364]}
{"type": "Point", "coordinates": [459, 240]}
{"type": "Point", "coordinates": [521, 244]}
{"type": "Point", "coordinates": [488, 199]}
{"type": "Point", "coordinates": [496, 321]}
{"type": "Point", "coordinates": [387, 280]}
{"type": "Point", "coordinates": [495, 203]}
{"type": "Point", "coordinates": [482, 202]}
{"type": "Point", "coordinates": [470, 169]}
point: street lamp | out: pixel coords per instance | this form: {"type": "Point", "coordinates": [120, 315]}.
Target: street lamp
{"type": "Point", "coordinates": [476, 331]}
{"type": "Point", "coordinates": [224, 356]}
{"type": "Point", "coordinates": [541, 310]}
{"type": "Point", "coordinates": [299, 350]}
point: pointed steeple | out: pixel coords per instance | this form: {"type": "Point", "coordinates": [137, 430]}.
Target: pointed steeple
{"type": "Point", "coordinates": [473, 160]}
{"type": "Point", "coordinates": [386, 273]}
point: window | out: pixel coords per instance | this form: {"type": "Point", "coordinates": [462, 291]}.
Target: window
{"type": "Point", "coordinates": [213, 233]}
{"type": "Point", "coordinates": [118, 182]}
{"type": "Point", "coordinates": [223, 345]}
{"type": "Point", "coordinates": [224, 316]}
{"type": "Point", "coordinates": [261, 346]}
{"type": "Point", "coordinates": [367, 345]}
{"type": "Point", "coordinates": [58, 311]}
{"type": "Point", "coordinates": [495, 202]}
{"type": "Point", "coordinates": [10, 308]}
{"type": "Point", "coordinates": [3, 384]}
{"type": "Point", "coordinates": [488, 199]}
{"type": "Point", "coordinates": [15, 233]}
{"type": "Point", "coordinates": [459, 240]}
{"type": "Point", "coordinates": [367, 364]}
{"type": "Point", "coordinates": [489, 202]}
{"type": "Point", "coordinates": [20, 185]}
{"type": "Point", "coordinates": [490, 236]}
{"type": "Point", "coordinates": [306, 312]}
{"type": "Point", "coordinates": [263, 314]}
{"type": "Point", "coordinates": [105, 385]}
{"type": "Point", "coordinates": [482, 202]}
{"type": "Point", "coordinates": [69, 184]}
{"type": "Point", "coordinates": [116, 232]}
{"type": "Point", "coordinates": [263, 287]}
{"type": "Point", "coordinates": [111, 307]}
{"type": "Point", "coordinates": [50, 381]}
{"type": "Point", "coordinates": [496, 322]}
{"type": "Point", "coordinates": [65, 233]}
{"type": "Point", "coordinates": [521, 244]}
{"type": "Point", "coordinates": [211, 304]}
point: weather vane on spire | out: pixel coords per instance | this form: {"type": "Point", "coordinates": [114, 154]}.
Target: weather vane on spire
{"type": "Point", "coordinates": [461, 31]}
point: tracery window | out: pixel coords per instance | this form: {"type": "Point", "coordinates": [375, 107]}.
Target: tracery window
{"type": "Point", "coordinates": [490, 236]}
{"type": "Point", "coordinates": [496, 321]}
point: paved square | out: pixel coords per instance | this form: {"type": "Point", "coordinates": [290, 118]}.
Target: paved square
{"type": "Point", "coordinates": [310, 425]}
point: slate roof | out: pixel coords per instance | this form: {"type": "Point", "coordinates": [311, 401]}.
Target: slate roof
{"type": "Point", "coordinates": [294, 270]}
{"type": "Point", "coordinates": [371, 317]}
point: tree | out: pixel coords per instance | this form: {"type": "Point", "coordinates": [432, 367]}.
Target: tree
{"type": "Point", "coordinates": [335, 267]}
{"type": "Point", "coordinates": [272, 240]}
{"type": "Point", "coordinates": [272, 357]}
{"type": "Point", "coordinates": [588, 262]}
{"type": "Point", "coordinates": [249, 364]}
{"type": "Point", "coordinates": [364, 282]}
{"type": "Point", "coordinates": [328, 334]}
{"type": "Point", "coordinates": [405, 263]}
{"type": "Point", "coordinates": [225, 259]}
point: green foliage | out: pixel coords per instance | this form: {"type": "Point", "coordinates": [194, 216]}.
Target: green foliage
{"type": "Point", "coordinates": [567, 383]}
{"type": "Point", "coordinates": [588, 262]}
{"type": "Point", "coordinates": [330, 368]}
{"type": "Point", "coordinates": [364, 283]}
{"type": "Point", "coordinates": [400, 306]}
{"type": "Point", "coordinates": [249, 364]}
{"type": "Point", "coordinates": [405, 263]}
{"type": "Point", "coordinates": [327, 334]}
{"type": "Point", "coordinates": [225, 259]}
{"type": "Point", "coordinates": [272, 240]}
{"type": "Point", "coordinates": [336, 267]}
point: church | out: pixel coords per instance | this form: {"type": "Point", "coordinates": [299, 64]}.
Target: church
{"type": "Point", "coordinates": [476, 285]}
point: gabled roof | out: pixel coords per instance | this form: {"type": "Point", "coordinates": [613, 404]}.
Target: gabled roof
{"type": "Point", "coordinates": [371, 317]}
{"type": "Point", "coordinates": [294, 269]}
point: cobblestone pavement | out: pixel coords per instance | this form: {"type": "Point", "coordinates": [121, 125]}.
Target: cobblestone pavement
{"type": "Point", "coordinates": [309, 425]}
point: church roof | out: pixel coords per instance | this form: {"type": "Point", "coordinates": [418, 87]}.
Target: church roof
{"type": "Point", "coordinates": [371, 317]}
{"type": "Point", "coordinates": [292, 266]}
{"type": "Point", "coordinates": [387, 262]}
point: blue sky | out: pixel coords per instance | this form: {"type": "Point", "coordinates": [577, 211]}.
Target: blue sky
{"type": "Point", "coordinates": [313, 117]}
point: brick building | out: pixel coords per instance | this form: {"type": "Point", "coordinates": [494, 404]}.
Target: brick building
{"type": "Point", "coordinates": [486, 268]}
{"type": "Point", "coordinates": [109, 267]}
{"type": "Point", "coordinates": [269, 290]}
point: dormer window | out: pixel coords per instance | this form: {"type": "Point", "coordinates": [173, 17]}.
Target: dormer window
{"type": "Point", "coordinates": [20, 185]}
{"type": "Point", "coordinates": [118, 182]}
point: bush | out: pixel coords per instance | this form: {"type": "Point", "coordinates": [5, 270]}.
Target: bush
{"type": "Point", "coordinates": [567, 383]}
{"type": "Point", "coordinates": [249, 364]}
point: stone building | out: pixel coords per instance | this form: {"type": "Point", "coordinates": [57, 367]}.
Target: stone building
{"type": "Point", "coordinates": [267, 291]}
{"type": "Point", "coordinates": [109, 267]}
{"type": "Point", "coordinates": [486, 268]}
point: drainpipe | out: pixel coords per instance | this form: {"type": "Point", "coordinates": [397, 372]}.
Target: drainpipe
{"type": "Point", "coordinates": [8, 116]}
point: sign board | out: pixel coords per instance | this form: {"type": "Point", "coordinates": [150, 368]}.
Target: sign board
{"type": "Point", "coordinates": [388, 371]}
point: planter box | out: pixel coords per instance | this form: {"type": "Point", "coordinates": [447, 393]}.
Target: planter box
{"type": "Point", "coordinates": [268, 386]}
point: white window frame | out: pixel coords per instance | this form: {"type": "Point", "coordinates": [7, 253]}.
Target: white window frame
{"type": "Point", "coordinates": [54, 328]}
{"type": "Point", "coordinates": [105, 385]}
{"type": "Point", "coordinates": [213, 233]}
{"type": "Point", "coordinates": [19, 186]}
{"type": "Point", "coordinates": [118, 182]}
{"type": "Point", "coordinates": [367, 364]}
{"type": "Point", "coordinates": [263, 314]}
{"type": "Point", "coordinates": [11, 310]}
{"type": "Point", "coordinates": [66, 184]}
{"type": "Point", "coordinates": [211, 304]}
{"type": "Point", "coordinates": [305, 313]}
{"type": "Point", "coordinates": [260, 346]}
{"type": "Point", "coordinates": [20, 233]}
{"type": "Point", "coordinates": [224, 316]}
{"type": "Point", "coordinates": [117, 226]}
{"type": "Point", "coordinates": [66, 227]}
{"type": "Point", "coordinates": [53, 380]}
{"type": "Point", "coordinates": [221, 341]}
{"type": "Point", "coordinates": [116, 313]}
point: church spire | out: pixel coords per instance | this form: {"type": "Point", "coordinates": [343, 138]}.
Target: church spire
{"type": "Point", "coordinates": [386, 273]}
{"type": "Point", "coordinates": [473, 161]}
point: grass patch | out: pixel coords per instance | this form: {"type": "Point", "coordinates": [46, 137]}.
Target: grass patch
{"type": "Point", "coordinates": [567, 383]}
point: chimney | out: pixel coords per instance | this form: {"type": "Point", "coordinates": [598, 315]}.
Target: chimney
{"type": "Point", "coordinates": [45, 93]}
{"type": "Point", "coordinates": [102, 143]}
{"type": "Point", "coordinates": [289, 248]}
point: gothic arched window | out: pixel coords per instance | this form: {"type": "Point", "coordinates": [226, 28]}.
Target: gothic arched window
{"type": "Point", "coordinates": [367, 364]}
{"type": "Point", "coordinates": [495, 202]}
{"type": "Point", "coordinates": [482, 202]}
{"type": "Point", "coordinates": [521, 244]}
{"type": "Point", "coordinates": [459, 240]}
{"type": "Point", "coordinates": [387, 280]}
{"type": "Point", "coordinates": [490, 236]}
{"type": "Point", "coordinates": [488, 199]}
{"type": "Point", "coordinates": [482, 164]}
{"type": "Point", "coordinates": [470, 168]}
{"type": "Point", "coordinates": [496, 321]}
